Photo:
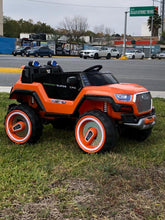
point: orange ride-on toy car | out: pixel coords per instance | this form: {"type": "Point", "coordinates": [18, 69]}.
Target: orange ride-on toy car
{"type": "Point", "coordinates": [101, 105]}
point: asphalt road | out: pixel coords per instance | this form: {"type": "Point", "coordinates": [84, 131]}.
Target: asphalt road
{"type": "Point", "coordinates": [149, 73]}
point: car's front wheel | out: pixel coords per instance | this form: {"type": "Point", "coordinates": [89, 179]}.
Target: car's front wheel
{"type": "Point", "coordinates": [22, 124]}
{"type": "Point", "coordinates": [108, 56]}
{"type": "Point", "coordinates": [96, 56]}
{"type": "Point", "coordinates": [95, 132]}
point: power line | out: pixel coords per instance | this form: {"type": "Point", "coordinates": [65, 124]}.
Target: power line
{"type": "Point", "coordinates": [76, 5]}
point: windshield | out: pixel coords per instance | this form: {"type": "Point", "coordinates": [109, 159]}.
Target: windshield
{"type": "Point", "coordinates": [35, 48]}
{"type": "Point", "coordinates": [130, 51]}
{"type": "Point", "coordinates": [20, 48]}
{"type": "Point", "coordinates": [98, 79]}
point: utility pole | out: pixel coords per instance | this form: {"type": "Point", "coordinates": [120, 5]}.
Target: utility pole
{"type": "Point", "coordinates": [163, 15]}
{"type": "Point", "coordinates": [150, 51]}
{"type": "Point", "coordinates": [1, 17]}
{"type": "Point", "coordinates": [125, 31]}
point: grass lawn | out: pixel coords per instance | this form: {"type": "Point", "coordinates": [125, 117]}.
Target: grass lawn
{"type": "Point", "coordinates": [53, 179]}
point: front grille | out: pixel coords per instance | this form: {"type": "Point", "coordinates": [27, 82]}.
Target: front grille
{"type": "Point", "coordinates": [143, 102]}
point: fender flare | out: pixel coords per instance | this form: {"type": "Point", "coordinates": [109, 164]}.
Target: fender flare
{"type": "Point", "coordinates": [28, 92]}
{"type": "Point", "coordinates": [108, 99]}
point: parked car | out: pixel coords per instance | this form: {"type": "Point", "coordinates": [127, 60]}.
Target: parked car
{"type": "Point", "coordinates": [20, 51]}
{"type": "Point", "coordinates": [154, 55]}
{"type": "Point", "coordinates": [134, 54]}
{"type": "Point", "coordinates": [40, 51]}
{"type": "Point", "coordinates": [161, 55]}
{"type": "Point", "coordinates": [99, 52]}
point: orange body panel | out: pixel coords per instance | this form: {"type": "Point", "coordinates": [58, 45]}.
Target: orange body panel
{"type": "Point", "coordinates": [68, 107]}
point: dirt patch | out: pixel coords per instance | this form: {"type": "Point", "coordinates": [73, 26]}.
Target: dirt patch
{"type": "Point", "coordinates": [61, 205]}
{"type": "Point", "coordinates": [127, 195]}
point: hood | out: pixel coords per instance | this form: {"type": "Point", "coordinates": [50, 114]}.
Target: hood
{"type": "Point", "coordinates": [130, 53]}
{"type": "Point", "coordinates": [89, 50]}
{"type": "Point", "coordinates": [111, 90]}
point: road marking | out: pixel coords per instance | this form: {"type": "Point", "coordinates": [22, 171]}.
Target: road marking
{"type": "Point", "coordinates": [10, 70]}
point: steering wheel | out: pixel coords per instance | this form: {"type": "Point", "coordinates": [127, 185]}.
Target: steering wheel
{"type": "Point", "coordinates": [94, 68]}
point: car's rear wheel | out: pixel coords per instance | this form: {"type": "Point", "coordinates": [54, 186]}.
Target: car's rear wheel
{"type": "Point", "coordinates": [22, 124]}
{"type": "Point", "coordinates": [108, 56]}
{"type": "Point", "coordinates": [117, 57]}
{"type": "Point", "coordinates": [50, 55]}
{"type": "Point", "coordinates": [95, 132]}
{"type": "Point", "coordinates": [96, 56]}
{"type": "Point", "coordinates": [133, 57]}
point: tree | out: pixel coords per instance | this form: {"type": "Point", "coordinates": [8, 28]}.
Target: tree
{"type": "Point", "coordinates": [13, 28]}
{"type": "Point", "coordinates": [156, 24]}
{"type": "Point", "coordinates": [162, 38]}
{"type": "Point", "coordinates": [75, 28]}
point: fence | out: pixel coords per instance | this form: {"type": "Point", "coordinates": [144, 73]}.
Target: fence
{"type": "Point", "coordinates": [7, 45]}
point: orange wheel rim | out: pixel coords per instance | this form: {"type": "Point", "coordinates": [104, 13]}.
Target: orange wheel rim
{"type": "Point", "coordinates": [18, 126]}
{"type": "Point", "coordinates": [90, 134]}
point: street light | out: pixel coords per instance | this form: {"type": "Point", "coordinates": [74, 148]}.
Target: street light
{"type": "Point", "coordinates": [125, 30]}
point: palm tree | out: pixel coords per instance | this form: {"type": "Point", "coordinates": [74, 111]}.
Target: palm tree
{"type": "Point", "coordinates": [156, 24]}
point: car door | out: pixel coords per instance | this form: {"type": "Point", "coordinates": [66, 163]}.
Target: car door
{"type": "Point", "coordinates": [114, 52]}
{"type": "Point", "coordinates": [43, 51]}
{"type": "Point", "coordinates": [137, 54]}
{"type": "Point", "coordinates": [102, 52]}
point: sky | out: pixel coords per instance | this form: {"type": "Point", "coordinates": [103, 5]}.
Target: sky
{"type": "Point", "coordinates": [100, 14]}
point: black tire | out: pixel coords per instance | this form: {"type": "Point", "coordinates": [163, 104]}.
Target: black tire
{"type": "Point", "coordinates": [108, 56]}
{"type": "Point", "coordinates": [142, 57]}
{"type": "Point", "coordinates": [22, 124]}
{"type": "Point", "coordinates": [138, 135]}
{"type": "Point", "coordinates": [96, 56]}
{"type": "Point", "coordinates": [95, 132]}
{"type": "Point", "coordinates": [133, 57]}
{"type": "Point", "coordinates": [36, 54]}
{"type": "Point", "coordinates": [117, 57]}
{"type": "Point", "coordinates": [141, 135]}
{"type": "Point", "coordinates": [50, 55]}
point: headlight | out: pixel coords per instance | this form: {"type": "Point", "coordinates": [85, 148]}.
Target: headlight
{"type": "Point", "coordinates": [123, 97]}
